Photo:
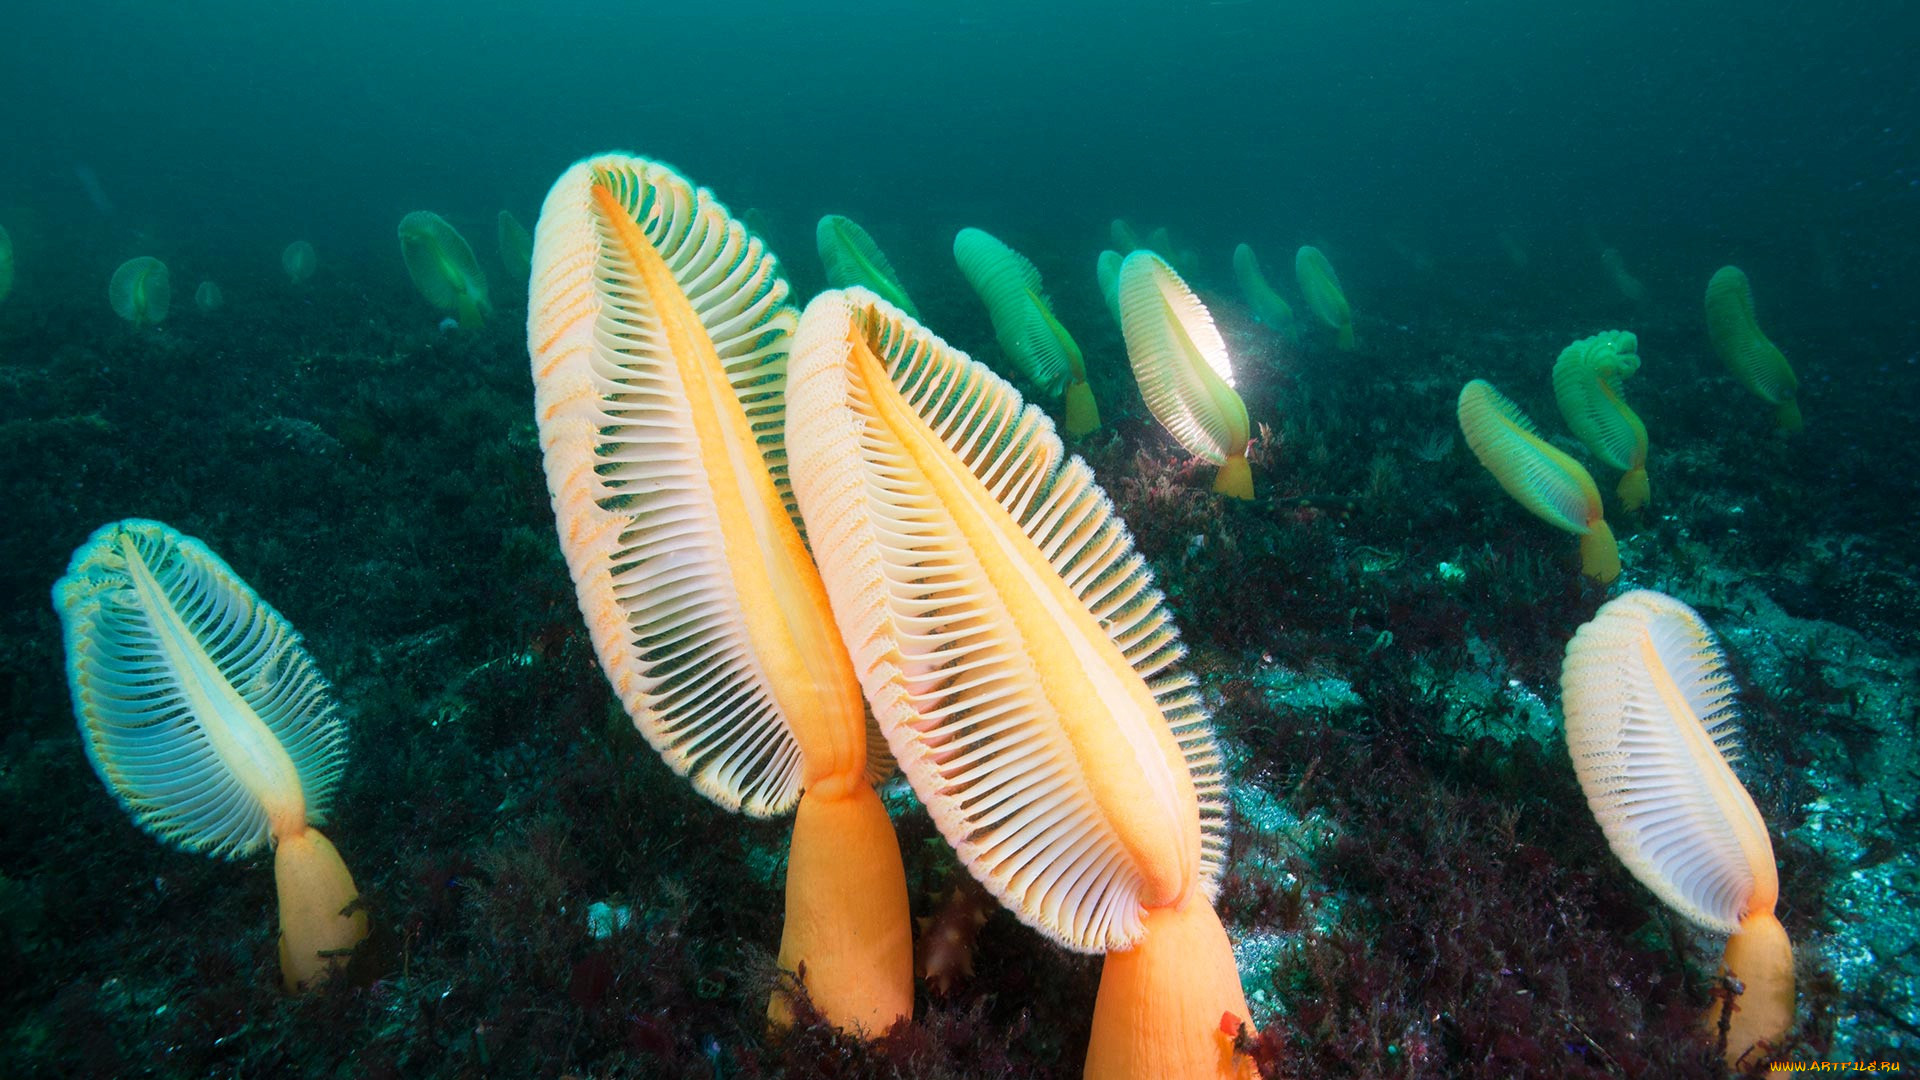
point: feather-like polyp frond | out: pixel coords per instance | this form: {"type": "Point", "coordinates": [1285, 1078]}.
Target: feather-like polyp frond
{"type": "Point", "coordinates": [1023, 321]}
{"type": "Point", "coordinates": [1007, 634]}
{"type": "Point", "coordinates": [1751, 357]}
{"type": "Point", "coordinates": [659, 329]}
{"type": "Point", "coordinates": [199, 708]}
{"type": "Point", "coordinates": [442, 266]}
{"type": "Point", "coordinates": [300, 261]}
{"type": "Point", "coordinates": [1321, 286]}
{"type": "Point", "coordinates": [1552, 486]}
{"type": "Point", "coordinates": [1180, 360]}
{"type": "Point", "coordinates": [141, 291]}
{"type": "Point", "coordinates": [850, 257]}
{"type": "Point", "coordinates": [1651, 727]}
{"type": "Point", "coordinates": [1586, 384]}
{"type": "Point", "coordinates": [1268, 306]}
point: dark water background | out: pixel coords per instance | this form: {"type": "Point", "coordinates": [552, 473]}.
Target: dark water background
{"type": "Point", "coordinates": [1686, 134]}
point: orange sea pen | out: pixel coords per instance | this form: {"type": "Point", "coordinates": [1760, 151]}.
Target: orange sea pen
{"type": "Point", "coordinates": [659, 330]}
{"type": "Point", "coordinates": [1181, 364]}
{"type": "Point", "coordinates": [1586, 383]}
{"type": "Point", "coordinates": [1751, 357]}
{"type": "Point", "coordinates": [206, 718]}
{"type": "Point", "coordinates": [1023, 322]}
{"type": "Point", "coordinates": [1021, 665]}
{"type": "Point", "coordinates": [1652, 730]}
{"type": "Point", "coordinates": [1552, 486]}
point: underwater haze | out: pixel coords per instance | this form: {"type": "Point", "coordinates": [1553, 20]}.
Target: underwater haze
{"type": "Point", "coordinates": [1442, 347]}
{"type": "Point", "coordinates": [1667, 123]}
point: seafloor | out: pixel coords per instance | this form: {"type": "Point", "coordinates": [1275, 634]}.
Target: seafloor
{"type": "Point", "coordinates": [1417, 887]}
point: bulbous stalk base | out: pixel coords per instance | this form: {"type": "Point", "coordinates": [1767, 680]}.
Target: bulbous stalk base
{"type": "Point", "coordinates": [1160, 1004]}
{"type": "Point", "coordinates": [1599, 554]}
{"type": "Point", "coordinates": [847, 918]}
{"type": "Point", "coordinates": [1235, 478]}
{"type": "Point", "coordinates": [319, 922]}
{"type": "Point", "coordinates": [1761, 958]}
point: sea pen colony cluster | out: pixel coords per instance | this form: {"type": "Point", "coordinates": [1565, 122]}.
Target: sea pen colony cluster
{"type": "Point", "coordinates": [818, 547]}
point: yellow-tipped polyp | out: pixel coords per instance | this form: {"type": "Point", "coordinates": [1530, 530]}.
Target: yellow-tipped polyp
{"type": "Point", "coordinates": [1181, 364]}
{"type": "Point", "coordinates": [1751, 358]}
{"type": "Point", "coordinates": [1021, 665]}
{"type": "Point", "coordinates": [1024, 324]}
{"type": "Point", "coordinates": [659, 329]}
{"type": "Point", "coordinates": [1552, 486]}
{"type": "Point", "coordinates": [443, 268]}
{"type": "Point", "coordinates": [208, 721]}
{"type": "Point", "coordinates": [1586, 384]}
{"type": "Point", "coordinates": [1321, 286]}
{"type": "Point", "coordinates": [1652, 729]}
